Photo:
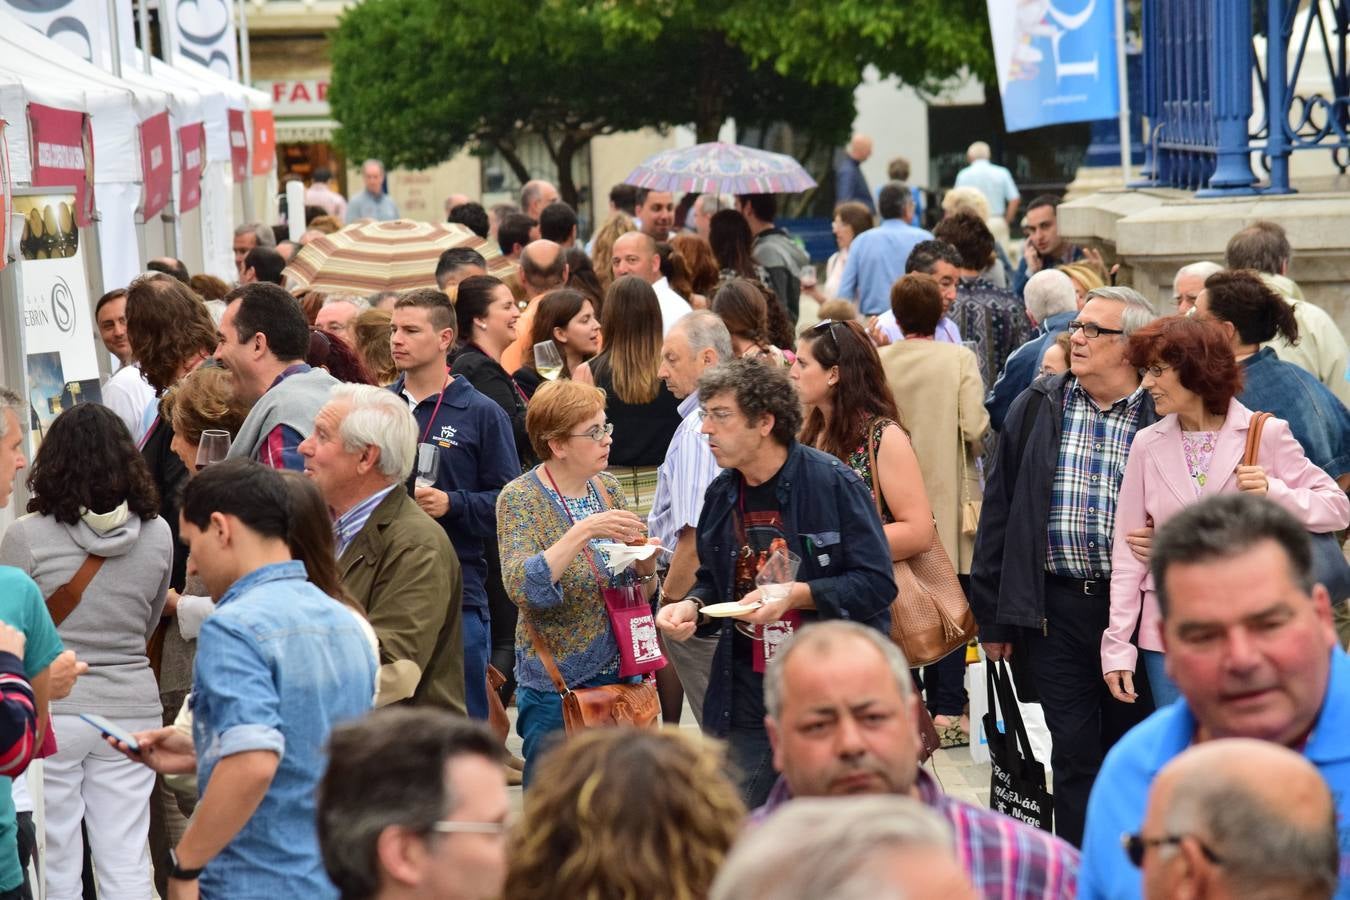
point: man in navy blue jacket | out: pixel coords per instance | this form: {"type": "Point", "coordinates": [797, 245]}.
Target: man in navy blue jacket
{"type": "Point", "coordinates": [773, 494]}
{"type": "Point", "coordinates": [472, 436]}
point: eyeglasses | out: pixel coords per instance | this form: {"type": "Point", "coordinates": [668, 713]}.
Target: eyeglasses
{"type": "Point", "coordinates": [1135, 845]}
{"type": "Point", "coordinates": [1092, 329]}
{"type": "Point", "coordinates": [450, 827]}
{"type": "Point", "coordinates": [720, 416]}
{"type": "Point", "coordinates": [1155, 370]}
{"type": "Point", "coordinates": [598, 433]}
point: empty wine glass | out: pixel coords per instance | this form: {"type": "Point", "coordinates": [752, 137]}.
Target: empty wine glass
{"type": "Point", "coordinates": [777, 574]}
{"type": "Point", "coordinates": [547, 360]}
{"type": "Point", "coordinates": [428, 462]}
{"type": "Point", "coordinates": [213, 447]}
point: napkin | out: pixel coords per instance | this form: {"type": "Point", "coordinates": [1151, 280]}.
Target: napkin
{"type": "Point", "coordinates": [621, 556]}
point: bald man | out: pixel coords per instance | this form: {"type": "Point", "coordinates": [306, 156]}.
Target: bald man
{"type": "Point", "coordinates": [635, 254]}
{"type": "Point", "coordinates": [1238, 819]}
{"type": "Point", "coordinates": [535, 195]}
{"type": "Point", "coordinates": [849, 181]}
{"type": "Point", "coordinates": [542, 269]}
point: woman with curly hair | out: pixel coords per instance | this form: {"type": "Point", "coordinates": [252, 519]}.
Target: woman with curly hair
{"type": "Point", "coordinates": [97, 526]}
{"type": "Point", "coordinates": [602, 248]}
{"type": "Point", "coordinates": [625, 814]}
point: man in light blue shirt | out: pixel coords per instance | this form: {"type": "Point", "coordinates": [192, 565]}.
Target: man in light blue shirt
{"type": "Point", "coordinates": [373, 202]}
{"type": "Point", "coordinates": [995, 182]}
{"type": "Point", "coordinates": [877, 256]}
{"type": "Point", "coordinates": [1250, 644]}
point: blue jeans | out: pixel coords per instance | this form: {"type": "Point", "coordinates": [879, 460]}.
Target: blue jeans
{"type": "Point", "coordinates": [1164, 690]}
{"type": "Point", "coordinates": [751, 761]}
{"type": "Point", "coordinates": [539, 720]}
{"type": "Point", "coordinates": [477, 634]}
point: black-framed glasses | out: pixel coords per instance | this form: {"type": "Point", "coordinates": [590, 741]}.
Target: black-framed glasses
{"type": "Point", "coordinates": [598, 433]}
{"type": "Point", "coordinates": [1092, 329]}
{"type": "Point", "coordinates": [1154, 370]}
{"type": "Point", "coordinates": [1136, 845]}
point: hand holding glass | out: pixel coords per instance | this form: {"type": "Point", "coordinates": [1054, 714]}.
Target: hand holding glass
{"type": "Point", "coordinates": [778, 573]}
{"type": "Point", "coordinates": [547, 360]}
{"type": "Point", "coordinates": [428, 461]}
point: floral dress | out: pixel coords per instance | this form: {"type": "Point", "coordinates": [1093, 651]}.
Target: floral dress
{"type": "Point", "coordinates": [859, 462]}
{"type": "Point", "coordinates": [1199, 449]}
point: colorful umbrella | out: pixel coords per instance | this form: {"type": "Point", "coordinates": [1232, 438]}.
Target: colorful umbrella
{"type": "Point", "coordinates": [385, 256]}
{"type": "Point", "coordinates": [720, 168]}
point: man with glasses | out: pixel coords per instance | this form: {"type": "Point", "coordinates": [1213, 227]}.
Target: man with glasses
{"type": "Point", "coordinates": [1250, 644]}
{"type": "Point", "coordinates": [936, 258]}
{"type": "Point", "coordinates": [413, 805]}
{"type": "Point", "coordinates": [774, 496]}
{"type": "Point", "coordinates": [1041, 573]}
{"type": "Point", "coordinates": [1189, 282]}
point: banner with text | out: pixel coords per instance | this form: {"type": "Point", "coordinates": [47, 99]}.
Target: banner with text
{"type": "Point", "coordinates": [63, 154]}
{"type": "Point", "coordinates": [77, 25]}
{"type": "Point", "coordinates": [1056, 60]}
{"type": "Point", "coordinates": [191, 147]}
{"type": "Point", "coordinates": [202, 31]}
{"type": "Point", "coordinates": [156, 165]}
{"type": "Point", "coordinates": [264, 142]}
{"type": "Point", "coordinates": [238, 146]}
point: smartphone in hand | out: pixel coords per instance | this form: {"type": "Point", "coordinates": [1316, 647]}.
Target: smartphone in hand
{"type": "Point", "coordinates": [110, 729]}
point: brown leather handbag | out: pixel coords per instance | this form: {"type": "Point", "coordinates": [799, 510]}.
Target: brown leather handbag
{"type": "Point", "coordinates": [593, 707]}
{"type": "Point", "coordinates": [930, 616]}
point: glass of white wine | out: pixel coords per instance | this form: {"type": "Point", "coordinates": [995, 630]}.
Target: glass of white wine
{"type": "Point", "coordinates": [547, 360]}
{"type": "Point", "coordinates": [428, 461]}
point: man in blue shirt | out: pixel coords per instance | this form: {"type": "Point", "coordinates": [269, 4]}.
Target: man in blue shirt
{"type": "Point", "coordinates": [473, 438]}
{"type": "Point", "coordinates": [877, 256]}
{"type": "Point", "coordinates": [1250, 644]}
{"type": "Point", "coordinates": [278, 664]}
{"type": "Point", "coordinates": [849, 181]}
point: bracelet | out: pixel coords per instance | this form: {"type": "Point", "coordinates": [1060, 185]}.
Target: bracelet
{"type": "Point", "coordinates": [643, 579]}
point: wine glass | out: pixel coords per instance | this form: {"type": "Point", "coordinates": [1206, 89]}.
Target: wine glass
{"type": "Point", "coordinates": [213, 447]}
{"type": "Point", "coordinates": [547, 360]}
{"type": "Point", "coordinates": [428, 462]}
{"type": "Point", "coordinates": [777, 574]}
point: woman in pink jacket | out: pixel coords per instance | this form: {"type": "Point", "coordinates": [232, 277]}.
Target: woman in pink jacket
{"type": "Point", "coordinates": [1194, 451]}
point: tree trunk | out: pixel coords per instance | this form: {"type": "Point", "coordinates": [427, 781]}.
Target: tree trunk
{"type": "Point", "coordinates": [508, 152]}
{"type": "Point", "coordinates": [710, 104]}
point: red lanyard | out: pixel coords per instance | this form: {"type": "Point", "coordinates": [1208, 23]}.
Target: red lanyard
{"type": "Point", "coordinates": [562, 501]}
{"type": "Point", "coordinates": [432, 420]}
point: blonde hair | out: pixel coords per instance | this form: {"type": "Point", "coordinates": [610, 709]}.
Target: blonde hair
{"type": "Point", "coordinates": [556, 408]}
{"type": "Point", "coordinates": [372, 330]}
{"type": "Point", "coordinates": [1086, 277]}
{"type": "Point", "coordinates": [625, 814]}
{"type": "Point", "coordinates": [206, 398]}
{"type": "Point", "coordinates": [965, 199]}
{"type": "Point", "coordinates": [615, 227]}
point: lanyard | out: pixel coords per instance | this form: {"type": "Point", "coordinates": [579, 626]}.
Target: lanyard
{"type": "Point", "coordinates": [562, 501]}
{"type": "Point", "coordinates": [437, 409]}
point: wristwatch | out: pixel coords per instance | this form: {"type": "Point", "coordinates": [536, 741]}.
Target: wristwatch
{"type": "Point", "coordinates": [177, 872]}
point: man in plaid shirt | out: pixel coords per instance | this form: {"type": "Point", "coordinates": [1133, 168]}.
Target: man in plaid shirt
{"type": "Point", "coordinates": [1041, 574]}
{"type": "Point", "coordinates": [842, 719]}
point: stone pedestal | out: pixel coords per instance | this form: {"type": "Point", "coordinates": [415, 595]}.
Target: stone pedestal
{"type": "Point", "coordinates": [1152, 232]}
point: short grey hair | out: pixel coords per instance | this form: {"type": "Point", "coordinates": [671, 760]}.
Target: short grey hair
{"type": "Point", "coordinates": [10, 400]}
{"type": "Point", "coordinates": [822, 635]}
{"type": "Point", "coordinates": [711, 203]}
{"type": "Point", "coordinates": [1138, 310]}
{"type": "Point", "coordinates": [828, 847]}
{"type": "Point", "coordinates": [531, 191]}
{"type": "Point", "coordinates": [1048, 293]}
{"type": "Point", "coordinates": [373, 162]}
{"type": "Point", "coordinates": [266, 236]}
{"type": "Point", "coordinates": [1201, 270]}
{"type": "Point", "coordinates": [1262, 850]}
{"type": "Point", "coordinates": [379, 419]}
{"type": "Point", "coordinates": [703, 329]}
{"type": "Point", "coordinates": [977, 150]}
{"type": "Point", "coordinates": [360, 303]}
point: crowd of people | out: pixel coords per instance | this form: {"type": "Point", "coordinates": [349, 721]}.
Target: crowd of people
{"type": "Point", "coordinates": [273, 598]}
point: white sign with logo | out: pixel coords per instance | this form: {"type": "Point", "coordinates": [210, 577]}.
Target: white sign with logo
{"type": "Point", "coordinates": [202, 31]}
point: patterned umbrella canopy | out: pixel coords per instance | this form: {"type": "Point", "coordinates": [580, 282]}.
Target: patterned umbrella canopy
{"type": "Point", "coordinates": [719, 168]}
{"type": "Point", "coordinates": [385, 256]}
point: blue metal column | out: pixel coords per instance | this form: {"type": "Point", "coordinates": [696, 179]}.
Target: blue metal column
{"type": "Point", "coordinates": [1277, 113]}
{"type": "Point", "coordinates": [1231, 82]}
{"type": "Point", "coordinates": [1150, 82]}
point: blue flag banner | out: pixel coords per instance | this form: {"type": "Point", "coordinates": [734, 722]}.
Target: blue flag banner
{"type": "Point", "coordinates": [1056, 60]}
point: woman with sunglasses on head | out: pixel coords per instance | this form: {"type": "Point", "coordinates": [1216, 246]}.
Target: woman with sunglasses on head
{"type": "Point", "coordinates": [1195, 450]}
{"type": "Point", "coordinates": [851, 414]}
{"type": "Point", "coordinates": [551, 523]}
{"type": "Point", "coordinates": [939, 392]}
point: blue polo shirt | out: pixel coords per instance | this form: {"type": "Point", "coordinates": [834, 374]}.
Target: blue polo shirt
{"type": "Point", "coordinates": [478, 457]}
{"type": "Point", "coordinates": [1120, 794]}
{"type": "Point", "coordinates": [876, 260]}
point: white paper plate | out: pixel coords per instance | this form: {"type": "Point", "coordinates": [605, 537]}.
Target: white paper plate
{"type": "Point", "coordinates": [629, 552]}
{"type": "Point", "coordinates": [730, 610]}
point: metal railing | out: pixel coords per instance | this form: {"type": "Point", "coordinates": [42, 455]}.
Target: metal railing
{"type": "Point", "coordinates": [1200, 59]}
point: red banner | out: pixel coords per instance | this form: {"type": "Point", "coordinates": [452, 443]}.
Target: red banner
{"type": "Point", "coordinates": [4, 194]}
{"type": "Point", "coordinates": [63, 154]}
{"type": "Point", "coordinates": [264, 142]}
{"type": "Point", "coordinates": [191, 144]}
{"type": "Point", "coordinates": [238, 145]}
{"type": "Point", "coordinates": [156, 165]}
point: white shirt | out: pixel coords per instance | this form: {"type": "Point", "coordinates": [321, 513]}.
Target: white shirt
{"type": "Point", "coordinates": [673, 306]}
{"type": "Point", "coordinates": [128, 394]}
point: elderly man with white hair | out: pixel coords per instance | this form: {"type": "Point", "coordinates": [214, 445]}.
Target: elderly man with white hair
{"type": "Point", "coordinates": [849, 181]}
{"type": "Point", "coordinates": [338, 313]}
{"type": "Point", "coordinates": [393, 559]}
{"type": "Point", "coordinates": [1189, 282]}
{"type": "Point", "coordinates": [1052, 303]}
{"type": "Point", "coordinates": [994, 181]}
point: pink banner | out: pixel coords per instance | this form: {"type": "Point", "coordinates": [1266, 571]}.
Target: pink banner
{"type": "Point", "coordinates": [63, 154]}
{"type": "Point", "coordinates": [238, 145]}
{"type": "Point", "coordinates": [156, 165]}
{"type": "Point", "coordinates": [191, 140]}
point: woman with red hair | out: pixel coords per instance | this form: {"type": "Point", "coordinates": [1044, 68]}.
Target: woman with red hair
{"type": "Point", "coordinates": [1195, 451]}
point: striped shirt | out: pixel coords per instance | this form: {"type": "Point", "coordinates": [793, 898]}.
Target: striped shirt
{"type": "Point", "coordinates": [1005, 859]}
{"type": "Point", "coordinates": [682, 479]}
{"type": "Point", "coordinates": [1092, 453]}
{"type": "Point", "coordinates": [350, 523]}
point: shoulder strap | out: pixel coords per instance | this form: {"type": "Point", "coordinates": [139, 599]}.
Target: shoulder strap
{"type": "Point", "coordinates": [64, 599]}
{"type": "Point", "coordinates": [1254, 429]}
{"type": "Point", "coordinates": [545, 657]}
{"type": "Point", "coordinates": [872, 467]}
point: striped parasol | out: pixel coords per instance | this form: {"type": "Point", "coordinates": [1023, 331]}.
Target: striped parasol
{"type": "Point", "coordinates": [719, 168]}
{"type": "Point", "coordinates": [385, 256]}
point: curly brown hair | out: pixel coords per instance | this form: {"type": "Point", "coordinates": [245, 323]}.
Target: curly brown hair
{"type": "Point", "coordinates": [207, 398]}
{"type": "Point", "coordinates": [971, 237]}
{"type": "Point", "coordinates": [86, 439]}
{"type": "Point", "coordinates": [1198, 349]}
{"type": "Point", "coordinates": [168, 325]}
{"type": "Point", "coordinates": [625, 814]}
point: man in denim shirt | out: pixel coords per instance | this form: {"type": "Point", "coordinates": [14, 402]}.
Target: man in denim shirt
{"type": "Point", "coordinates": [278, 665]}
